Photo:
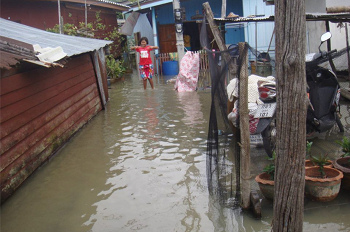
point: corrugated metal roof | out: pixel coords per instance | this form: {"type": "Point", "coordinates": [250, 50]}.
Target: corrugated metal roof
{"type": "Point", "coordinates": [72, 45]}
{"type": "Point", "coordinates": [148, 4]}
{"type": "Point", "coordinates": [113, 3]}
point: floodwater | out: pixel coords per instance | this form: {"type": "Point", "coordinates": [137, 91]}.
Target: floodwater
{"type": "Point", "coordinates": [140, 165]}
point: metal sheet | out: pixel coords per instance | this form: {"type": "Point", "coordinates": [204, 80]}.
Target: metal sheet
{"type": "Point", "coordinates": [72, 45]}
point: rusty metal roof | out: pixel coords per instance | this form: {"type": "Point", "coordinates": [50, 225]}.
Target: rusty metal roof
{"type": "Point", "coordinates": [28, 36]}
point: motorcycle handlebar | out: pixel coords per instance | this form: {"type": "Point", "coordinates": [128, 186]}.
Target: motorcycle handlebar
{"type": "Point", "coordinates": [332, 51]}
{"type": "Point", "coordinates": [326, 54]}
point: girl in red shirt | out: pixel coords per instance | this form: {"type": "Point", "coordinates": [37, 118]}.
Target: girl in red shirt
{"type": "Point", "coordinates": [145, 65]}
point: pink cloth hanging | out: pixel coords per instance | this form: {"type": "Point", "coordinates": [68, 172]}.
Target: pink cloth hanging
{"type": "Point", "coordinates": [187, 78]}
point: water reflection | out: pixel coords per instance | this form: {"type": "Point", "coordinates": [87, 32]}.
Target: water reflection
{"type": "Point", "coordinates": [140, 165]}
{"type": "Point", "coordinates": [192, 108]}
{"type": "Point", "coordinates": [151, 115]}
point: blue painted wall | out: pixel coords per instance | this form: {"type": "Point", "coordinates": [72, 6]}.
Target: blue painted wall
{"type": "Point", "coordinates": [164, 15]}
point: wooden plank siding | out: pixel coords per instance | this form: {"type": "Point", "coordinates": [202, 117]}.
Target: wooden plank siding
{"type": "Point", "coordinates": [40, 110]}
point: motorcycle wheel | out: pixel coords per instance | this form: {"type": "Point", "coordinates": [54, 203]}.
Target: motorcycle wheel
{"type": "Point", "coordinates": [340, 125]}
{"type": "Point", "coordinates": [269, 138]}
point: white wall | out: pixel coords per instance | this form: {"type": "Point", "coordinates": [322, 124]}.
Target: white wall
{"type": "Point", "coordinates": [315, 6]}
{"type": "Point", "coordinates": [258, 35]}
{"type": "Point", "coordinates": [338, 40]}
{"type": "Point", "coordinates": [144, 27]}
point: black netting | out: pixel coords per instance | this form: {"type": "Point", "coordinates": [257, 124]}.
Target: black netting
{"type": "Point", "coordinates": [223, 182]}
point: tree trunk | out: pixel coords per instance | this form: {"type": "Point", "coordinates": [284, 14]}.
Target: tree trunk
{"type": "Point", "coordinates": [291, 115]}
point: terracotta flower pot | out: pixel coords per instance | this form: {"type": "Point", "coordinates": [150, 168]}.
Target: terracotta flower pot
{"type": "Point", "coordinates": [343, 164]}
{"type": "Point", "coordinates": [266, 185]}
{"type": "Point", "coordinates": [322, 189]}
{"type": "Point", "coordinates": [309, 163]}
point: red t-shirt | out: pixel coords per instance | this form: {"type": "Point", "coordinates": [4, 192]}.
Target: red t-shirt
{"type": "Point", "coordinates": [145, 55]}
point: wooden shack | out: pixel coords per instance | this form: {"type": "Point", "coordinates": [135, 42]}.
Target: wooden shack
{"type": "Point", "coordinates": [43, 104]}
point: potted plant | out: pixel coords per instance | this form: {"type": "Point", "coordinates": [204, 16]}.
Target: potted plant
{"type": "Point", "coordinates": [322, 183]}
{"type": "Point", "coordinates": [317, 161]}
{"type": "Point", "coordinates": [343, 163]}
{"type": "Point", "coordinates": [265, 179]}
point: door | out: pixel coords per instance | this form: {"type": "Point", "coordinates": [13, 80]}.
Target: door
{"type": "Point", "coordinates": [167, 38]}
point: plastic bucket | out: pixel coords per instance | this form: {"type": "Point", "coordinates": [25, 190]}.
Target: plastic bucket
{"type": "Point", "coordinates": [170, 68]}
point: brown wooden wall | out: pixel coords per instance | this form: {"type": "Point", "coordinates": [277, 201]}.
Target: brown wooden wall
{"type": "Point", "coordinates": [40, 110]}
{"type": "Point", "coordinates": [44, 14]}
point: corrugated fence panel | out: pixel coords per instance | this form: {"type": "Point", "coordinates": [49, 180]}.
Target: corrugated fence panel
{"type": "Point", "coordinates": [40, 111]}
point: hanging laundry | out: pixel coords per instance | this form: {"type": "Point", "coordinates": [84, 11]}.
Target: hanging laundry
{"type": "Point", "coordinates": [187, 78]}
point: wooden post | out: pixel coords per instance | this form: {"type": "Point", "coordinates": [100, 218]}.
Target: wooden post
{"type": "Point", "coordinates": [59, 17]}
{"type": "Point", "coordinates": [244, 127]}
{"type": "Point", "coordinates": [291, 111]}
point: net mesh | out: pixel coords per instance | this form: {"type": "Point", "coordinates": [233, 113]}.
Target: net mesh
{"type": "Point", "coordinates": [223, 157]}
{"type": "Point", "coordinates": [220, 175]}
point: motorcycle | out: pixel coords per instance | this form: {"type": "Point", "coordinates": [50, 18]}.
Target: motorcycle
{"type": "Point", "coordinates": [323, 91]}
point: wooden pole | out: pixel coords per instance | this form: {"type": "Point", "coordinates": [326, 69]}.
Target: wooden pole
{"type": "Point", "coordinates": [288, 201]}
{"type": "Point", "coordinates": [217, 36]}
{"type": "Point", "coordinates": [59, 17]}
{"type": "Point", "coordinates": [244, 127]}
{"type": "Point", "coordinates": [85, 15]}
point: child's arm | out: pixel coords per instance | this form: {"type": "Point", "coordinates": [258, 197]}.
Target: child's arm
{"type": "Point", "coordinates": [154, 47]}
{"type": "Point", "coordinates": [133, 47]}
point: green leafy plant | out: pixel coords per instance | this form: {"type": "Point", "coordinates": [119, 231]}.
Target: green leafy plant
{"type": "Point", "coordinates": [115, 68]}
{"type": "Point", "coordinates": [270, 168]}
{"type": "Point", "coordinates": [345, 144]}
{"type": "Point", "coordinates": [95, 29]}
{"type": "Point", "coordinates": [320, 161]}
{"type": "Point", "coordinates": [308, 148]}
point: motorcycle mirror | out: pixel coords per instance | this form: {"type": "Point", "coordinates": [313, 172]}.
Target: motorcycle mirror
{"type": "Point", "coordinates": [326, 36]}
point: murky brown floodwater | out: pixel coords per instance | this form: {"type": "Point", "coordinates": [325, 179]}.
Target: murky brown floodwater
{"type": "Point", "coordinates": [140, 165]}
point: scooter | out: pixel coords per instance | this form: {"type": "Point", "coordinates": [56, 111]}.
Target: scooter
{"type": "Point", "coordinates": [324, 94]}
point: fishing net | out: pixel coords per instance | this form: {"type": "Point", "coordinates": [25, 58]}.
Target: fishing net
{"type": "Point", "coordinates": [223, 157]}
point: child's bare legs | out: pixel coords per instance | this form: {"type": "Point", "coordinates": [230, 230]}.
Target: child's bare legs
{"type": "Point", "coordinates": [145, 83]}
{"type": "Point", "coordinates": [151, 82]}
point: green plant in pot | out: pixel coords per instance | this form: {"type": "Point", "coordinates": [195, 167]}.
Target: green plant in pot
{"type": "Point", "coordinates": [265, 179]}
{"type": "Point", "coordinates": [314, 160]}
{"type": "Point", "coordinates": [321, 162]}
{"type": "Point", "coordinates": [343, 163]}
{"type": "Point", "coordinates": [322, 183]}
{"type": "Point", "coordinates": [345, 145]}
